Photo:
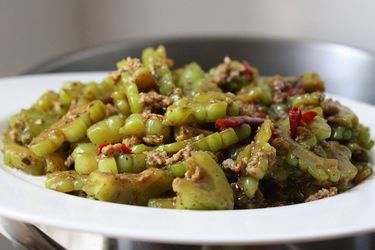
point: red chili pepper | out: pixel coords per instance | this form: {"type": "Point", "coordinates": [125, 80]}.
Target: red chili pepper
{"type": "Point", "coordinates": [247, 69]}
{"type": "Point", "coordinates": [296, 118]}
{"type": "Point", "coordinates": [308, 116]}
{"type": "Point", "coordinates": [262, 114]}
{"type": "Point", "coordinates": [125, 149]}
{"type": "Point", "coordinates": [101, 146]}
{"type": "Point", "coordinates": [236, 121]}
{"type": "Point", "coordinates": [292, 91]}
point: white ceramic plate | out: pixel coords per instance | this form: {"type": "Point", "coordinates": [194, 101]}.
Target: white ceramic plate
{"type": "Point", "coordinates": [24, 198]}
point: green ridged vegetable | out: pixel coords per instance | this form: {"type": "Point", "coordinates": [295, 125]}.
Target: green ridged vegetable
{"type": "Point", "coordinates": [217, 141]}
{"type": "Point", "coordinates": [254, 93]}
{"type": "Point", "coordinates": [256, 152]}
{"type": "Point", "coordinates": [209, 191]}
{"type": "Point", "coordinates": [319, 168]}
{"type": "Point", "coordinates": [343, 155]}
{"type": "Point", "coordinates": [29, 123]}
{"type": "Point", "coordinates": [156, 127]}
{"type": "Point", "coordinates": [71, 127]}
{"type": "Point", "coordinates": [131, 163]}
{"type": "Point", "coordinates": [178, 169]}
{"type": "Point", "coordinates": [22, 158]}
{"type": "Point", "coordinates": [311, 82]}
{"type": "Point", "coordinates": [176, 146]}
{"type": "Point", "coordinates": [190, 74]}
{"type": "Point", "coordinates": [131, 92]}
{"type": "Point", "coordinates": [159, 64]}
{"type": "Point", "coordinates": [106, 131]}
{"type": "Point", "coordinates": [121, 102]}
{"type": "Point", "coordinates": [307, 99]}
{"type": "Point", "coordinates": [50, 103]}
{"type": "Point", "coordinates": [320, 128]}
{"type": "Point", "coordinates": [85, 158]}
{"type": "Point", "coordinates": [162, 203]}
{"type": "Point", "coordinates": [134, 125]}
{"type": "Point", "coordinates": [178, 115]}
{"type": "Point", "coordinates": [65, 181]}
{"type": "Point", "coordinates": [56, 162]}
{"type": "Point", "coordinates": [128, 188]}
{"type": "Point", "coordinates": [107, 165]}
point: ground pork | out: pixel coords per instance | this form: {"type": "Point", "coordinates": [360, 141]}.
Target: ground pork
{"type": "Point", "coordinates": [231, 165]}
{"type": "Point", "coordinates": [248, 109]}
{"type": "Point", "coordinates": [188, 132]}
{"type": "Point", "coordinates": [131, 141]}
{"type": "Point", "coordinates": [249, 166]}
{"type": "Point", "coordinates": [154, 101]}
{"type": "Point", "coordinates": [112, 149]}
{"type": "Point", "coordinates": [322, 193]}
{"type": "Point", "coordinates": [148, 115]}
{"type": "Point", "coordinates": [193, 172]}
{"type": "Point", "coordinates": [110, 110]}
{"type": "Point", "coordinates": [131, 65]}
{"type": "Point", "coordinates": [252, 166]}
{"type": "Point", "coordinates": [154, 158]}
{"type": "Point", "coordinates": [224, 74]}
{"type": "Point", "coordinates": [69, 161]}
{"type": "Point", "coordinates": [153, 139]}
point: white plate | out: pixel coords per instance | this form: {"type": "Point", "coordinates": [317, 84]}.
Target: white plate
{"type": "Point", "coordinates": [24, 198]}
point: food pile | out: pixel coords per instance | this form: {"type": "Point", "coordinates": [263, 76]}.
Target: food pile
{"type": "Point", "coordinates": [227, 138]}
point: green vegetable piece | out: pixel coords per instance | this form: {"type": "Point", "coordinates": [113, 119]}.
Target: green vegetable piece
{"type": "Point", "coordinates": [140, 148]}
{"type": "Point", "coordinates": [204, 187]}
{"type": "Point", "coordinates": [106, 131]}
{"type": "Point", "coordinates": [29, 123]}
{"type": "Point", "coordinates": [71, 127]}
{"type": "Point", "coordinates": [55, 162]}
{"type": "Point", "coordinates": [320, 128]}
{"type": "Point", "coordinates": [249, 185]}
{"type": "Point", "coordinates": [364, 138]}
{"type": "Point", "coordinates": [162, 203]}
{"type": "Point", "coordinates": [134, 125]}
{"type": "Point", "coordinates": [156, 127]}
{"type": "Point", "coordinates": [343, 154]}
{"type": "Point", "coordinates": [258, 158]}
{"type": "Point", "coordinates": [85, 158]}
{"type": "Point", "coordinates": [144, 79]}
{"type": "Point", "coordinates": [307, 99]}
{"type": "Point", "coordinates": [22, 158]}
{"type": "Point", "coordinates": [177, 115]}
{"type": "Point", "coordinates": [128, 188]}
{"type": "Point", "coordinates": [224, 139]}
{"type": "Point", "coordinates": [190, 74]}
{"type": "Point", "coordinates": [176, 146]}
{"type": "Point", "coordinates": [178, 169]}
{"type": "Point", "coordinates": [131, 163]}
{"type": "Point", "coordinates": [159, 64]}
{"type": "Point", "coordinates": [65, 181]}
{"type": "Point", "coordinates": [311, 82]}
{"type": "Point", "coordinates": [243, 132]}
{"type": "Point", "coordinates": [261, 91]}
{"type": "Point", "coordinates": [131, 92]}
{"type": "Point", "coordinates": [319, 168]}
{"type": "Point", "coordinates": [49, 103]}
{"type": "Point", "coordinates": [107, 165]}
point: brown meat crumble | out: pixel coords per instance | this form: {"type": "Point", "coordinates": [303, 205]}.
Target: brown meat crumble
{"type": "Point", "coordinates": [322, 193]}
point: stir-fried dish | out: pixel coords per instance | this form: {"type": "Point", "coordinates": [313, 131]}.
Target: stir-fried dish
{"type": "Point", "coordinates": [227, 138]}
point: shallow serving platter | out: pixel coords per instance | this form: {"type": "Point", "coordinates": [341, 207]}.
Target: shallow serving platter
{"type": "Point", "coordinates": [24, 197]}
